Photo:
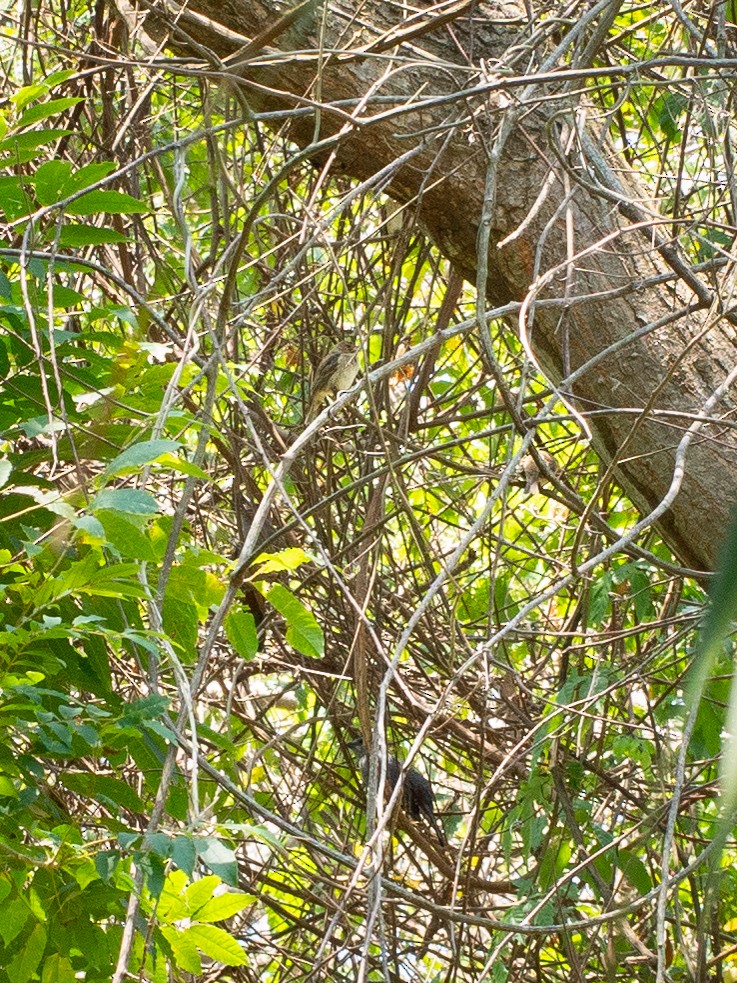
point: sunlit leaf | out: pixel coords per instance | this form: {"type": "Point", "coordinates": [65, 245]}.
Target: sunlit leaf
{"type": "Point", "coordinates": [241, 631]}
{"type": "Point", "coordinates": [217, 944]}
{"type": "Point", "coordinates": [303, 631]}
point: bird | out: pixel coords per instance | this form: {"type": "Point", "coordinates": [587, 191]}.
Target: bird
{"type": "Point", "coordinates": [532, 473]}
{"type": "Point", "coordinates": [336, 372]}
{"type": "Point", "coordinates": [417, 795]}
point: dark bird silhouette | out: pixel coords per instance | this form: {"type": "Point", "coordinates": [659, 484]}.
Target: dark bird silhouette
{"type": "Point", "coordinates": [417, 795]}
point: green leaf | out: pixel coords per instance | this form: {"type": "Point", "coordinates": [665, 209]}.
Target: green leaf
{"type": "Point", "coordinates": [286, 560]}
{"type": "Point", "coordinates": [160, 844]}
{"type": "Point", "coordinates": [6, 469]}
{"type": "Point", "coordinates": [26, 962]}
{"type": "Point", "coordinates": [7, 788]}
{"type": "Point", "coordinates": [668, 110]}
{"type": "Point", "coordinates": [184, 854]}
{"type": "Point", "coordinates": [89, 175]}
{"type": "Point", "coordinates": [173, 904]}
{"type": "Point", "coordinates": [181, 622]}
{"type": "Point", "coordinates": [635, 871]}
{"type": "Point", "coordinates": [130, 541]}
{"type": "Point", "coordinates": [266, 835]}
{"type": "Point", "coordinates": [103, 788]}
{"type": "Point", "coordinates": [29, 93]}
{"type": "Point", "coordinates": [191, 585]}
{"type": "Point", "coordinates": [106, 862]}
{"type": "Point", "coordinates": [19, 144]}
{"type": "Point", "coordinates": [15, 915]}
{"type": "Point", "coordinates": [66, 297]}
{"type": "Point", "coordinates": [134, 501]}
{"type": "Point", "coordinates": [51, 179]}
{"type": "Point", "coordinates": [47, 109]}
{"type": "Point", "coordinates": [56, 78]}
{"type": "Point", "coordinates": [88, 235]}
{"type": "Point", "coordinates": [14, 200]}
{"type": "Point", "coordinates": [109, 202]}
{"type": "Point", "coordinates": [145, 709]}
{"type": "Point", "coordinates": [222, 906]}
{"type": "Point", "coordinates": [92, 529]}
{"type": "Point", "coordinates": [303, 631]}
{"type": "Point", "coordinates": [155, 870]}
{"type": "Point", "coordinates": [217, 944]}
{"type": "Point", "coordinates": [58, 969]}
{"type": "Point", "coordinates": [199, 892]}
{"type": "Point", "coordinates": [139, 455]}
{"type": "Point", "coordinates": [219, 858]}
{"type": "Point", "coordinates": [184, 949]}
{"type": "Point", "coordinates": [183, 466]}
{"type": "Point", "coordinates": [240, 628]}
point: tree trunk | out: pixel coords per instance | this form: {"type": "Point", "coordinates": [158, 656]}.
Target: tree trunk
{"type": "Point", "coordinates": [389, 86]}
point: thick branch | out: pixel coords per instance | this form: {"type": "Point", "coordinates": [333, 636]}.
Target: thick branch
{"type": "Point", "coordinates": [569, 242]}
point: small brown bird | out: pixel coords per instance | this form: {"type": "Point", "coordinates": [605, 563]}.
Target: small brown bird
{"type": "Point", "coordinates": [532, 473]}
{"type": "Point", "coordinates": [336, 372]}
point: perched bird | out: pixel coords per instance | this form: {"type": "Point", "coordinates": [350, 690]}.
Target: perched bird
{"type": "Point", "coordinates": [336, 372]}
{"type": "Point", "coordinates": [417, 794]}
{"type": "Point", "coordinates": [532, 473]}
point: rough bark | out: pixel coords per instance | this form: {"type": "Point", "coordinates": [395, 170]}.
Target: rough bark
{"type": "Point", "coordinates": [391, 85]}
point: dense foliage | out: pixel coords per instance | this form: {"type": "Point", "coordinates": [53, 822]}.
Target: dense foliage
{"type": "Point", "coordinates": [199, 597]}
